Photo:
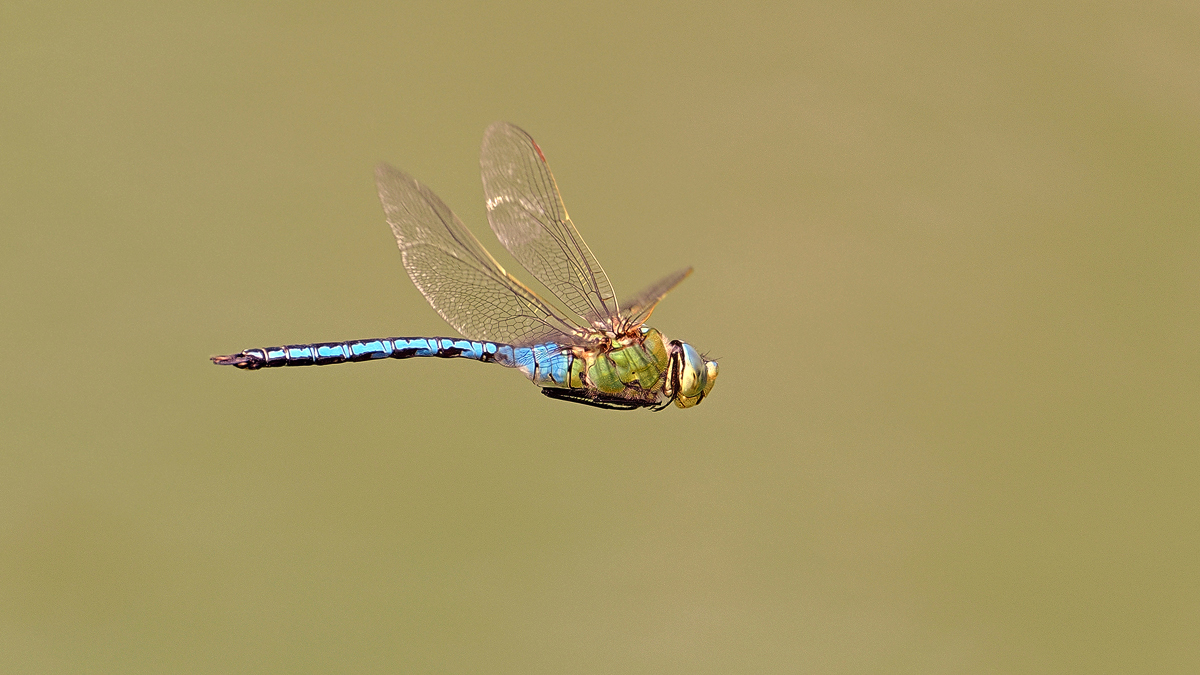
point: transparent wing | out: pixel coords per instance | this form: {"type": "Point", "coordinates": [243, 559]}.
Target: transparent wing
{"type": "Point", "coordinates": [527, 214]}
{"type": "Point", "coordinates": [638, 308]}
{"type": "Point", "coordinates": [457, 275]}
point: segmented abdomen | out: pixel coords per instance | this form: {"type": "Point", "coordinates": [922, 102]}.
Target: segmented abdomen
{"type": "Point", "coordinates": [545, 364]}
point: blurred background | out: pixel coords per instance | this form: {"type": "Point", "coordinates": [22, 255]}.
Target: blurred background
{"type": "Point", "coordinates": [948, 257]}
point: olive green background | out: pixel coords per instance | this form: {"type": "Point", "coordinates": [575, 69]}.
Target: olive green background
{"type": "Point", "coordinates": [949, 259]}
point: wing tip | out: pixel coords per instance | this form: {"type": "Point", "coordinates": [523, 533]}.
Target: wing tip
{"type": "Point", "coordinates": [383, 170]}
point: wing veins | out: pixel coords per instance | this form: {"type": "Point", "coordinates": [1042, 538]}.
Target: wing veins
{"type": "Point", "coordinates": [441, 256]}
{"type": "Point", "coordinates": [527, 213]}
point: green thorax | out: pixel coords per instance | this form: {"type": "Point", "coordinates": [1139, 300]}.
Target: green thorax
{"type": "Point", "coordinates": [637, 362]}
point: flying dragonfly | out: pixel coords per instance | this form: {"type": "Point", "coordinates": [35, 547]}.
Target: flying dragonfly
{"type": "Point", "coordinates": [597, 351]}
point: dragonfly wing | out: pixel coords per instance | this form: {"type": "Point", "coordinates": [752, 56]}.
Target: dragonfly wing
{"type": "Point", "coordinates": [457, 275]}
{"type": "Point", "coordinates": [638, 308]}
{"type": "Point", "coordinates": [527, 214]}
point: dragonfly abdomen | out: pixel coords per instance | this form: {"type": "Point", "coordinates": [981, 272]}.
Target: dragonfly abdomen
{"type": "Point", "coordinates": [328, 353]}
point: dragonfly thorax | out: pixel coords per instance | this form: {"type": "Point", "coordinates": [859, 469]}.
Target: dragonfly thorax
{"type": "Point", "coordinates": [640, 366]}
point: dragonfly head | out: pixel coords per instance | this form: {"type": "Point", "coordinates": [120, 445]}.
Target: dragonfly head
{"type": "Point", "coordinates": [689, 376]}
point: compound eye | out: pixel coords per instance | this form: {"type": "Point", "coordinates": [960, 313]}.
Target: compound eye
{"type": "Point", "coordinates": [694, 376]}
{"type": "Point", "coordinates": [711, 368]}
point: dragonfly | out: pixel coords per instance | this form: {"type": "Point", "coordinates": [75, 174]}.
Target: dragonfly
{"type": "Point", "coordinates": [585, 348]}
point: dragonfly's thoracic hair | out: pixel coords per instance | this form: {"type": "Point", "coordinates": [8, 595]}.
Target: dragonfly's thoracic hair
{"type": "Point", "coordinates": [597, 352]}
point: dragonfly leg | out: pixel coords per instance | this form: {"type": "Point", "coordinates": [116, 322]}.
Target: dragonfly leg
{"type": "Point", "coordinates": [595, 400]}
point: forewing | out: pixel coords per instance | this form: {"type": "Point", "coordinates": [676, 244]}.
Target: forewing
{"type": "Point", "coordinates": [527, 214]}
{"type": "Point", "coordinates": [457, 275]}
{"type": "Point", "coordinates": [638, 308]}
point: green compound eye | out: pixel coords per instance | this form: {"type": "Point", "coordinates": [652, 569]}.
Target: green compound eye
{"type": "Point", "coordinates": [694, 377]}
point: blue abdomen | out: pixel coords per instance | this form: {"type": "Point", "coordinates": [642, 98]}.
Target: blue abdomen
{"type": "Point", "coordinates": [545, 364]}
